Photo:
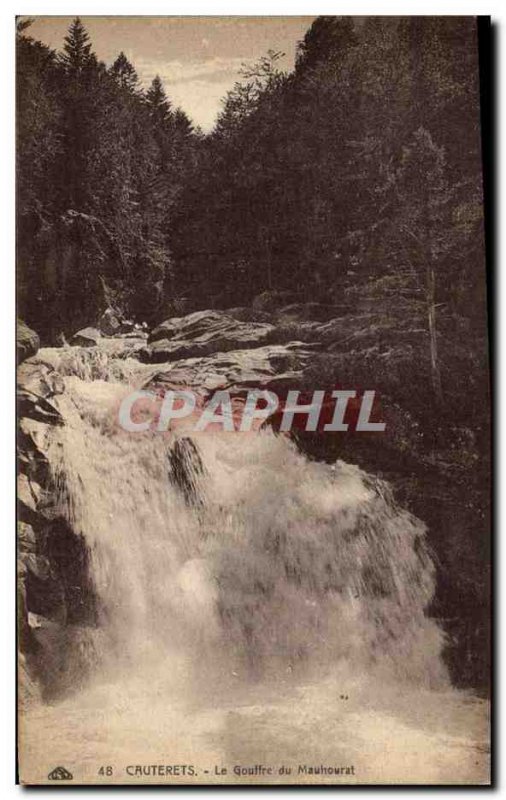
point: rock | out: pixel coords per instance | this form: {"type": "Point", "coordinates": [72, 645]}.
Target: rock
{"type": "Point", "coordinates": [27, 341]}
{"type": "Point", "coordinates": [34, 407]}
{"type": "Point", "coordinates": [126, 325]}
{"type": "Point", "coordinates": [26, 538]}
{"type": "Point", "coordinates": [29, 492]}
{"type": "Point", "coordinates": [290, 331]}
{"type": "Point", "coordinates": [310, 312]}
{"type": "Point", "coordinates": [194, 325]}
{"type": "Point", "coordinates": [272, 300]}
{"type": "Point", "coordinates": [134, 334]}
{"type": "Point", "coordinates": [37, 565]}
{"type": "Point", "coordinates": [248, 314]}
{"type": "Point", "coordinates": [32, 450]}
{"type": "Point", "coordinates": [109, 323]}
{"type": "Point", "coordinates": [168, 328]}
{"type": "Point", "coordinates": [165, 330]}
{"type": "Point", "coordinates": [179, 306]}
{"type": "Point", "coordinates": [38, 433]}
{"type": "Point", "coordinates": [269, 367]}
{"type": "Point", "coordinates": [39, 378]}
{"type": "Point", "coordinates": [87, 337]}
{"type": "Point", "coordinates": [203, 333]}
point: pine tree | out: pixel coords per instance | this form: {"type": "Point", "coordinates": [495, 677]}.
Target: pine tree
{"type": "Point", "coordinates": [181, 123]}
{"type": "Point", "coordinates": [327, 40]}
{"type": "Point", "coordinates": [77, 54]}
{"type": "Point", "coordinates": [124, 73]}
{"type": "Point", "coordinates": [158, 104]}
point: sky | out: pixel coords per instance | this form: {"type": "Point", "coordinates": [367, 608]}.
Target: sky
{"type": "Point", "coordinates": [197, 58]}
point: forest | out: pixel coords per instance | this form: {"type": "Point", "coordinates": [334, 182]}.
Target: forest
{"type": "Point", "coordinates": [353, 181]}
{"type": "Point", "coordinates": [351, 172]}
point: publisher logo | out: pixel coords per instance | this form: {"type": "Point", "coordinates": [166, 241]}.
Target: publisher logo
{"type": "Point", "coordinates": [60, 774]}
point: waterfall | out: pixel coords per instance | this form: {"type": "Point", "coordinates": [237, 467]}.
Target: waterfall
{"type": "Point", "coordinates": [237, 546]}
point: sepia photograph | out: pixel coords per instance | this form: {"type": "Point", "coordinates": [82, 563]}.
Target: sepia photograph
{"type": "Point", "coordinates": [254, 523]}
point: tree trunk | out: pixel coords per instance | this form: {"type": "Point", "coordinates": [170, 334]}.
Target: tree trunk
{"type": "Point", "coordinates": [431, 310]}
{"type": "Point", "coordinates": [268, 260]}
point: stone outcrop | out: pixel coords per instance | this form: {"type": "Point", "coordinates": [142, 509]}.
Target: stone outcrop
{"type": "Point", "coordinates": [209, 332]}
{"type": "Point", "coordinates": [274, 367]}
{"type": "Point", "coordinates": [27, 341]}
{"type": "Point", "coordinates": [87, 337]}
{"type": "Point", "coordinates": [110, 323]}
{"type": "Point", "coordinates": [203, 333]}
{"type": "Point", "coordinates": [53, 583]}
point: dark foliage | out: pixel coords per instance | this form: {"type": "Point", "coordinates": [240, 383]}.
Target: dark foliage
{"type": "Point", "coordinates": [100, 168]}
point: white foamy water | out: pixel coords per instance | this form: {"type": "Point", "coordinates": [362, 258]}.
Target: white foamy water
{"type": "Point", "coordinates": [254, 608]}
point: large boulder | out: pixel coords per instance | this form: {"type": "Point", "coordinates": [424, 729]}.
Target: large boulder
{"type": "Point", "coordinates": [87, 337]}
{"type": "Point", "coordinates": [203, 333]}
{"type": "Point", "coordinates": [53, 584]}
{"type": "Point", "coordinates": [133, 335]}
{"type": "Point", "coordinates": [37, 383]}
{"type": "Point", "coordinates": [192, 326]}
{"type": "Point", "coordinates": [39, 378]}
{"type": "Point", "coordinates": [272, 367]}
{"type": "Point", "coordinates": [109, 323]}
{"type": "Point", "coordinates": [27, 341]}
{"type": "Point", "coordinates": [166, 330]}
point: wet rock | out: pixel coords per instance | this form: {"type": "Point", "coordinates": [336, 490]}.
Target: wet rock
{"type": "Point", "coordinates": [38, 432]}
{"type": "Point", "coordinates": [186, 470]}
{"type": "Point", "coordinates": [69, 557]}
{"type": "Point", "coordinates": [87, 337]}
{"type": "Point", "coordinates": [165, 330]}
{"type": "Point", "coordinates": [207, 332]}
{"type": "Point", "coordinates": [26, 538]}
{"type": "Point", "coordinates": [37, 565]}
{"type": "Point", "coordinates": [38, 408]}
{"type": "Point", "coordinates": [141, 336]}
{"type": "Point", "coordinates": [203, 333]}
{"type": "Point", "coordinates": [126, 325]}
{"type": "Point", "coordinates": [192, 326]}
{"type": "Point", "coordinates": [29, 492]}
{"type": "Point", "coordinates": [248, 314]}
{"type": "Point", "coordinates": [39, 378]}
{"type": "Point", "coordinates": [32, 449]}
{"type": "Point", "coordinates": [109, 323]}
{"type": "Point", "coordinates": [27, 341]}
{"type": "Point", "coordinates": [269, 367]}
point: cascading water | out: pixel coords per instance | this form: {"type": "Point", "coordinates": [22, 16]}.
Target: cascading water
{"type": "Point", "coordinates": [269, 608]}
